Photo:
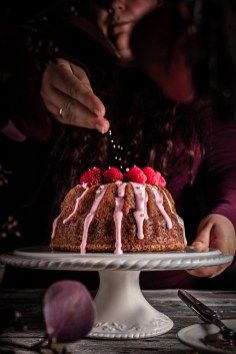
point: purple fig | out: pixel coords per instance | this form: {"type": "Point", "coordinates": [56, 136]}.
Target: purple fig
{"type": "Point", "coordinates": [68, 311]}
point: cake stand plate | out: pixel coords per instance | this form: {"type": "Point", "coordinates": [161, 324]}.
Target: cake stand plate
{"type": "Point", "coordinates": [122, 312]}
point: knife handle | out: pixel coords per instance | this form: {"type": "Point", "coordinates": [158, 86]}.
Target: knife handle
{"type": "Point", "coordinates": [203, 311]}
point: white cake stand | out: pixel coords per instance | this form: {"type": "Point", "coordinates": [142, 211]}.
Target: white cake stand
{"type": "Point", "coordinates": [121, 309]}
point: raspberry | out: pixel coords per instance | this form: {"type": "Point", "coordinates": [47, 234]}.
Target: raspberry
{"type": "Point", "coordinates": [112, 175]}
{"type": "Point", "coordinates": [91, 177]}
{"type": "Point", "coordinates": [135, 174]}
{"type": "Point", "coordinates": [152, 177]}
{"type": "Point", "coordinates": [162, 182]}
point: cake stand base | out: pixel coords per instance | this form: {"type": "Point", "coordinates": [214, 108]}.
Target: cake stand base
{"type": "Point", "coordinates": [122, 310]}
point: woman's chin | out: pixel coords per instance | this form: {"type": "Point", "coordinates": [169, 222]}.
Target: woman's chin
{"type": "Point", "coordinates": [125, 55]}
{"type": "Point", "coordinates": [182, 98]}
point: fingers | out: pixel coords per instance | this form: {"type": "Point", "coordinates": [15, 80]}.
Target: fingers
{"type": "Point", "coordinates": [66, 88]}
{"type": "Point", "coordinates": [201, 244]}
{"type": "Point", "coordinates": [81, 75]}
{"type": "Point", "coordinates": [73, 112]}
{"type": "Point", "coordinates": [79, 87]}
{"type": "Point", "coordinates": [65, 81]}
{"type": "Point", "coordinates": [215, 232]}
{"type": "Point", "coordinates": [76, 71]}
{"type": "Point", "coordinates": [202, 240]}
{"type": "Point", "coordinates": [208, 272]}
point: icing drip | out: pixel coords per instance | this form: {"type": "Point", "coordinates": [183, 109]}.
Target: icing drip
{"type": "Point", "coordinates": [54, 225]}
{"type": "Point", "coordinates": [168, 201]}
{"type": "Point", "coordinates": [118, 215]}
{"type": "Point", "coordinates": [159, 201]}
{"type": "Point", "coordinates": [181, 222]}
{"type": "Point", "coordinates": [99, 194]}
{"type": "Point", "coordinates": [140, 213]}
{"type": "Point", "coordinates": [179, 219]}
{"type": "Point", "coordinates": [76, 206]}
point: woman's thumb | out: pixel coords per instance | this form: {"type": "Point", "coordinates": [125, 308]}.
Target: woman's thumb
{"type": "Point", "coordinates": [202, 240]}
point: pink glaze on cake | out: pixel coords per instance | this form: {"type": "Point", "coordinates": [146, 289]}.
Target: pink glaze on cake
{"type": "Point", "coordinates": [76, 207]}
{"type": "Point", "coordinates": [99, 195]}
{"type": "Point", "coordinates": [140, 213]}
{"type": "Point", "coordinates": [54, 226]}
{"type": "Point", "coordinates": [118, 215]}
{"type": "Point", "coordinates": [159, 202]}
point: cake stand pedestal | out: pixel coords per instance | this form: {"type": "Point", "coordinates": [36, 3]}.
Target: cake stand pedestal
{"type": "Point", "coordinates": [121, 309]}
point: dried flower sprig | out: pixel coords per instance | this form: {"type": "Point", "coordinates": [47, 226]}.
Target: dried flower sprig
{"type": "Point", "coordinates": [4, 175]}
{"type": "Point", "coordinates": [11, 317]}
{"type": "Point", "coordinates": [9, 227]}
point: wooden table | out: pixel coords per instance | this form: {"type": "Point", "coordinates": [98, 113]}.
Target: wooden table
{"type": "Point", "coordinates": [29, 302]}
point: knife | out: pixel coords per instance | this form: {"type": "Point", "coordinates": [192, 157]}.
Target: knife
{"type": "Point", "coordinates": [203, 311]}
{"type": "Point", "coordinates": [206, 314]}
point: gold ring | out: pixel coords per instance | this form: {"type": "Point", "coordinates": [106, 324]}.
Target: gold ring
{"type": "Point", "coordinates": [60, 111]}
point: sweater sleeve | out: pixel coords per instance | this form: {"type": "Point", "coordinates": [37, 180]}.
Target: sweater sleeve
{"type": "Point", "coordinates": [220, 159]}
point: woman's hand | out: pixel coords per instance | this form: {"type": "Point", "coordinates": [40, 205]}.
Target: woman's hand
{"type": "Point", "coordinates": [215, 231]}
{"type": "Point", "coordinates": [68, 95]}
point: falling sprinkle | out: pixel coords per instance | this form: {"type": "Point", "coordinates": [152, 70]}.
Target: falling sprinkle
{"type": "Point", "coordinates": [116, 150]}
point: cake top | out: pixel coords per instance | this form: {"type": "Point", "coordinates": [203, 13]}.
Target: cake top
{"type": "Point", "coordinates": [95, 176]}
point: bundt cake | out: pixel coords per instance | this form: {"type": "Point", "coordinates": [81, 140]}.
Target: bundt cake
{"type": "Point", "coordinates": [112, 212]}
